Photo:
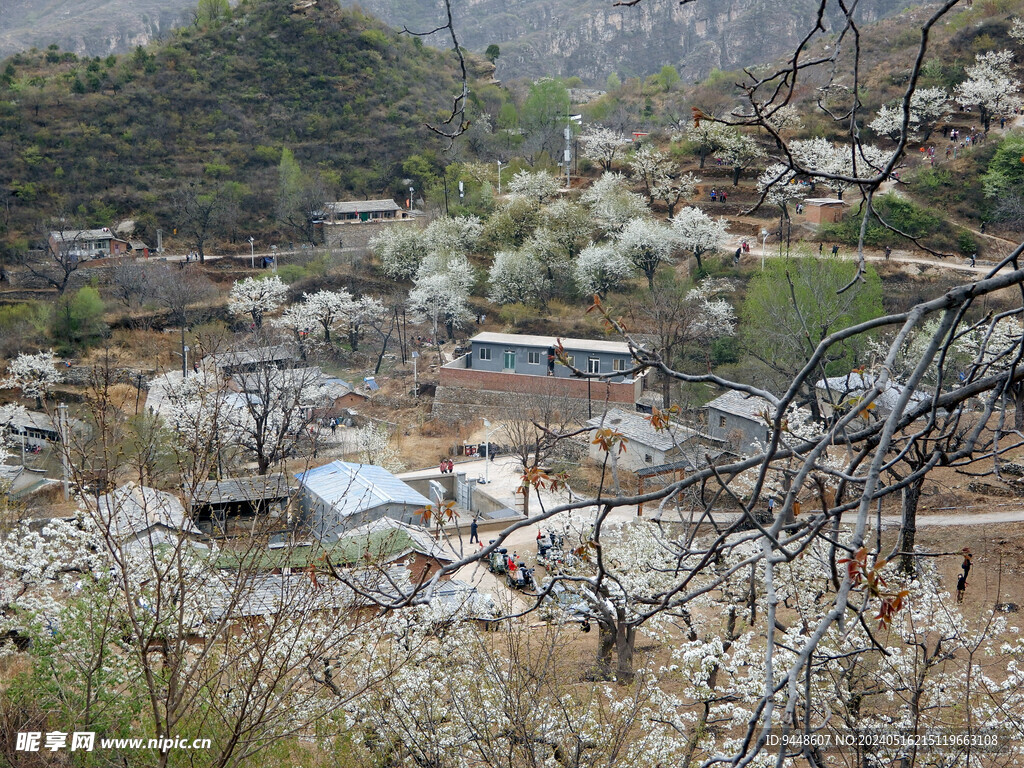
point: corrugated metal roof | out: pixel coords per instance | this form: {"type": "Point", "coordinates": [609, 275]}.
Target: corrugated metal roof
{"type": "Point", "coordinates": [133, 509]}
{"type": "Point", "coordinates": [354, 488]}
{"type": "Point", "coordinates": [571, 345]}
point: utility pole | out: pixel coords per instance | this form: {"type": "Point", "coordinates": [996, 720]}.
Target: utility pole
{"type": "Point", "coordinates": [65, 458]}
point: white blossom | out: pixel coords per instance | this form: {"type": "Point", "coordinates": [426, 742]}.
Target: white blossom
{"type": "Point", "coordinates": [990, 85]}
{"type": "Point", "coordinates": [601, 268]}
{"type": "Point", "coordinates": [34, 374]}
{"type": "Point", "coordinates": [698, 233]}
{"type": "Point", "coordinates": [601, 145]}
{"type": "Point", "coordinates": [927, 107]}
{"type": "Point", "coordinates": [256, 297]}
{"type": "Point", "coordinates": [612, 204]}
{"type": "Point", "coordinates": [647, 244]}
{"type": "Point", "coordinates": [516, 277]}
{"type": "Point", "coordinates": [539, 187]}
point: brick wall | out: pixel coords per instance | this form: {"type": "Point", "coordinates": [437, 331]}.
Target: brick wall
{"type": "Point", "coordinates": [621, 392]}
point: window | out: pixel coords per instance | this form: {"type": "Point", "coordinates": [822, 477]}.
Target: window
{"type": "Point", "coordinates": [485, 353]}
{"type": "Point", "coordinates": [618, 364]}
{"type": "Point", "coordinates": [533, 358]}
{"type": "Point", "coordinates": [721, 421]}
{"type": "Point", "coordinates": [510, 360]}
{"type": "Point", "coordinates": [594, 365]}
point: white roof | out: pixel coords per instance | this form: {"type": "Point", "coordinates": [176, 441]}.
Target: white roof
{"type": "Point", "coordinates": [636, 428]}
{"type": "Point", "coordinates": [855, 384]}
{"type": "Point", "coordinates": [741, 404]}
{"type": "Point", "coordinates": [363, 206]}
{"type": "Point", "coordinates": [75, 235]}
{"type": "Point", "coordinates": [134, 509]}
{"type": "Point", "coordinates": [824, 201]}
{"type": "Point", "coordinates": [354, 488]}
{"type": "Point", "coordinates": [579, 345]}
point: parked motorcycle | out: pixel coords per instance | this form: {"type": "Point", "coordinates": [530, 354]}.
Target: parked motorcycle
{"type": "Point", "coordinates": [521, 579]}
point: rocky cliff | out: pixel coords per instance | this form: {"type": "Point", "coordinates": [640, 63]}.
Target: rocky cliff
{"type": "Point", "coordinates": [86, 27]}
{"type": "Point", "coordinates": [593, 38]}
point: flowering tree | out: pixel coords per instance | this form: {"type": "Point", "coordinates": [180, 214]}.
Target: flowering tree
{"type": "Point", "coordinates": [374, 444]}
{"type": "Point", "coordinates": [698, 233]}
{"type": "Point", "coordinates": [661, 178]}
{"type": "Point", "coordinates": [740, 150]}
{"type": "Point", "coordinates": [328, 308]}
{"type": "Point", "coordinates": [1017, 30]}
{"type": "Point", "coordinates": [34, 374]}
{"type": "Point", "coordinates": [837, 165]}
{"type": "Point", "coordinates": [517, 277]}
{"type": "Point", "coordinates": [927, 107]}
{"type": "Point", "coordinates": [990, 85]}
{"type": "Point", "coordinates": [441, 293]}
{"type": "Point", "coordinates": [708, 136]}
{"type": "Point", "coordinates": [601, 268]}
{"type": "Point", "coordinates": [256, 297]}
{"type": "Point", "coordinates": [539, 187]}
{"type": "Point", "coordinates": [611, 203]}
{"type": "Point", "coordinates": [400, 250]}
{"type": "Point", "coordinates": [777, 184]}
{"type": "Point", "coordinates": [602, 145]}
{"type": "Point", "coordinates": [647, 244]}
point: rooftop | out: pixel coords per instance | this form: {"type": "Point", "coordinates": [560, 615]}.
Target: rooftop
{"type": "Point", "coordinates": [133, 509]}
{"type": "Point", "coordinates": [637, 428]}
{"type": "Point", "coordinates": [258, 488]}
{"type": "Point", "coordinates": [525, 340]}
{"type": "Point", "coordinates": [266, 354]}
{"type": "Point", "coordinates": [363, 206]}
{"type": "Point", "coordinates": [824, 201]}
{"type": "Point", "coordinates": [740, 404]}
{"type": "Point", "coordinates": [353, 488]}
{"type": "Point", "coordinates": [76, 235]}
{"type": "Point", "coordinates": [854, 385]}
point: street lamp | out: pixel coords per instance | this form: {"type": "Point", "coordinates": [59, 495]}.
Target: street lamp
{"type": "Point", "coordinates": [764, 240]}
{"type": "Point", "coordinates": [499, 177]}
{"type": "Point", "coordinates": [487, 453]}
{"type": "Point", "coordinates": [252, 252]}
{"type": "Point", "coordinates": [410, 197]}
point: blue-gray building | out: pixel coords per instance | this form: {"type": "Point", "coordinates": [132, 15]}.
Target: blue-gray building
{"type": "Point", "coordinates": [341, 495]}
{"type": "Point", "coordinates": [535, 355]}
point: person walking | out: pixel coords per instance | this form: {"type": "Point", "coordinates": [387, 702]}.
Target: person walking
{"type": "Point", "coordinates": [474, 534]}
{"type": "Point", "coordinates": [835, 250]}
{"type": "Point", "coordinates": [888, 252]}
{"type": "Point", "coordinates": [961, 586]}
{"type": "Point", "coordinates": [974, 257]}
{"type": "Point", "coordinates": [443, 466]}
{"type": "Point", "coordinates": [966, 564]}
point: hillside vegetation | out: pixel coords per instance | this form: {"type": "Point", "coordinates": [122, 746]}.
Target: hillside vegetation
{"type": "Point", "coordinates": [216, 104]}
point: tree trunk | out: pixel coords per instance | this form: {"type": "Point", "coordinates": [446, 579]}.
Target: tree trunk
{"type": "Point", "coordinates": [736, 175]}
{"type": "Point", "coordinates": [908, 531]}
{"type": "Point", "coordinates": [1018, 405]}
{"type": "Point", "coordinates": [625, 642]}
{"type": "Point", "coordinates": [605, 644]}
{"type": "Point", "coordinates": [703, 154]}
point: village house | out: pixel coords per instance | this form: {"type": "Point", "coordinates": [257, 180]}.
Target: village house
{"type": "Point", "coordinates": [235, 506]}
{"type": "Point", "coordinates": [351, 224]}
{"type": "Point", "coordinates": [838, 394]}
{"type": "Point", "coordinates": [823, 210]}
{"type": "Point", "coordinates": [137, 514]}
{"type": "Point", "coordinates": [519, 364]}
{"type": "Point", "coordinates": [646, 446]}
{"type": "Point", "coordinates": [85, 244]}
{"type": "Point", "coordinates": [340, 496]}
{"type": "Point", "coordinates": [737, 419]}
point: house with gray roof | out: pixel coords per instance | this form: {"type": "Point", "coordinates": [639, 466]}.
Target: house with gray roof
{"type": "Point", "coordinates": [340, 496]}
{"type": "Point", "coordinates": [138, 514]}
{"type": "Point", "coordinates": [839, 394]}
{"type": "Point", "coordinates": [358, 211]}
{"type": "Point", "coordinates": [736, 418]}
{"type": "Point", "coordinates": [646, 446]}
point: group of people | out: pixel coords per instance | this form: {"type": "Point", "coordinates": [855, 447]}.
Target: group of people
{"type": "Point", "coordinates": [719, 196]}
{"type": "Point", "coordinates": [961, 582]}
{"type": "Point", "coordinates": [447, 466]}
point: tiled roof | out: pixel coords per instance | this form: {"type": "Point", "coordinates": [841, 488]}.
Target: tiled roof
{"type": "Point", "coordinates": [636, 428]}
{"type": "Point", "coordinates": [363, 206]}
{"type": "Point", "coordinates": [740, 404]}
{"type": "Point", "coordinates": [257, 488]}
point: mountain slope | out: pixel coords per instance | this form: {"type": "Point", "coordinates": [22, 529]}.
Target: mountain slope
{"type": "Point", "coordinates": [593, 38]}
{"type": "Point", "coordinates": [343, 92]}
{"type": "Point", "coordinates": [87, 27]}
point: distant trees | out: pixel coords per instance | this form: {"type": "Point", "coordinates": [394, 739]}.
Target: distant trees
{"type": "Point", "coordinates": [612, 204]}
{"type": "Point", "coordinates": [517, 277]}
{"type": "Point", "coordinates": [661, 177]}
{"type": "Point", "coordinates": [698, 233]}
{"type": "Point", "coordinates": [927, 107]}
{"type": "Point", "coordinates": [492, 53]}
{"type": "Point", "coordinates": [539, 187]}
{"type": "Point", "coordinates": [301, 197]}
{"type": "Point", "coordinates": [793, 304]}
{"type": "Point", "coordinates": [440, 294]}
{"type": "Point", "coordinates": [602, 145]}
{"type": "Point", "coordinates": [543, 115]}
{"type": "Point", "coordinates": [601, 268]}
{"type": "Point", "coordinates": [647, 244]}
{"type": "Point", "coordinates": [33, 374]}
{"type": "Point", "coordinates": [990, 85]}
{"type": "Point", "coordinates": [78, 318]}
{"type": "Point", "coordinates": [197, 213]}
{"type": "Point", "coordinates": [61, 254]}
{"type": "Point", "coordinates": [256, 297]}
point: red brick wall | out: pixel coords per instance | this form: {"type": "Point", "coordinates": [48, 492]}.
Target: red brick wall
{"type": "Point", "coordinates": [617, 392]}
